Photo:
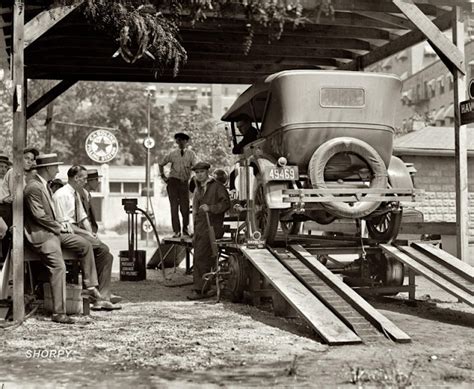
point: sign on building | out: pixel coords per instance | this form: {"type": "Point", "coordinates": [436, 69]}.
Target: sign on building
{"type": "Point", "coordinates": [467, 111]}
{"type": "Point", "coordinates": [101, 146]}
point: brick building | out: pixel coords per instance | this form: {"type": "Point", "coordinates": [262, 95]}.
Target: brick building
{"type": "Point", "coordinates": [431, 150]}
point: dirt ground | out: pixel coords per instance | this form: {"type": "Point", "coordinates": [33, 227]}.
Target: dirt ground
{"type": "Point", "coordinates": [160, 339]}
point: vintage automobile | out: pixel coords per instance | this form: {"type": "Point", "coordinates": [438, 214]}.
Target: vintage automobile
{"type": "Point", "coordinates": [323, 152]}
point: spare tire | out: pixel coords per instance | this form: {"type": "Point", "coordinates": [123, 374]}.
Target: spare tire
{"type": "Point", "coordinates": [329, 149]}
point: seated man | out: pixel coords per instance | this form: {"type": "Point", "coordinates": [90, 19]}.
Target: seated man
{"type": "Point", "coordinates": [47, 236]}
{"type": "Point", "coordinates": [249, 133]}
{"type": "Point", "coordinates": [71, 211]}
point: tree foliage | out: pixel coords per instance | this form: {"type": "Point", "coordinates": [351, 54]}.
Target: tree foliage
{"type": "Point", "coordinates": [151, 27]}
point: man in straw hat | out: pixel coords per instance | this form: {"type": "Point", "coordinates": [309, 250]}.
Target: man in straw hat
{"type": "Point", "coordinates": [47, 236]}
{"type": "Point", "coordinates": [181, 160]}
{"type": "Point", "coordinates": [211, 197]}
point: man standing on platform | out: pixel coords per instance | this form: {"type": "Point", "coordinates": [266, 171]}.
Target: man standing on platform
{"type": "Point", "coordinates": [211, 197]}
{"type": "Point", "coordinates": [181, 160]}
{"type": "Point", "coordinates": [71, 211]}
{"type": "Point", "coordinates": [47, 236]}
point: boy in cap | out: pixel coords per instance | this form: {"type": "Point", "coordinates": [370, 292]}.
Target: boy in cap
{"type": "Point", "coordinates": [181, 160]}
{"type": "Point", "coordinates": [210, 197]}
{"type": "Point", "coordinates": [5, 164]}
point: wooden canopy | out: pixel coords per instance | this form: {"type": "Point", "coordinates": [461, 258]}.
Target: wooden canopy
{"type": "Point", "coordinates": [63, 45]}
{"type": "Point", "coordinates": [40, 42]}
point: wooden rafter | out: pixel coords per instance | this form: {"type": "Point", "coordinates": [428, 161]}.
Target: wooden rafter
{"type": "Point", "coordinates": [402, 43]}
{"type": "Point", "coordinates": [45, 20]}
{"type": "Point", "coordinates": [393, 20]}
{"type": "Point", "coordinates": [49, 96]}
{"type": "Point", "coordinates": [436, 37]}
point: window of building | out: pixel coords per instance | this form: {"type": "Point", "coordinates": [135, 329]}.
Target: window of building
{"type": "Point", "coordinates": [441, 84]}
{"type": "Point", "coordinates": [131, 187]}
{"type": "Point", "coordinates": [115, 187]}
{"type": "Point", "coordinates": [171, 91]}
{"type": "Point", "coordinates": [226, 91]}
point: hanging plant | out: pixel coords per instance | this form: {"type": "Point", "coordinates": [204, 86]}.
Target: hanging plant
{"type": "Point", "coordinates": [151, 27]}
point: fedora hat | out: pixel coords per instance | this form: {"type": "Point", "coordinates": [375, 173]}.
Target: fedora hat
{"type": "Point", "coordinates": [5, 159]}
{"type": "Point", "coordinates": [44, 160]}
{"type": "Point", "coordinates": [181, 135]}
{"type": "Point", "coordinates": [31, 150]}
{"type": "Point", "coordinates": [92, 174]}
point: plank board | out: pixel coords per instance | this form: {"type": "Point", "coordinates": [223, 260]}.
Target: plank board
{"type": "Point", "coordinates": [460, 267]}
{"type": "Point", "coordinates": [362, 306]}
{"type": "Point", "coordinates": [428, 274]}
{"type": "Point", "coordinates": [321, 319]}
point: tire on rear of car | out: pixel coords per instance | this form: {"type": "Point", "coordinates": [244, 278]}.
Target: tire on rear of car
{"type": "Point", "coordinates": [363, 150]}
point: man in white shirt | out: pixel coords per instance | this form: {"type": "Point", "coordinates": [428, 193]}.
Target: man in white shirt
{"type": "Point", "coordinates": [181, 160]}
{"type": "Point", "coordinates": [71, 211]}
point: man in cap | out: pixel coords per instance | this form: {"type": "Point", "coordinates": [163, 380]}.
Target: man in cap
{"type": "Point", "coordinates": [181, 160]}
{"type": "Point", "coordinates": [5, 164]}
{"type": "Point", "coordinates": [7, 191]}
{"type": "Point", "coordinates": [47, 236]}
{"type": "Point", "coordinates": [211, 197]}
{"type": "Point", "coordinates": [70, 210]}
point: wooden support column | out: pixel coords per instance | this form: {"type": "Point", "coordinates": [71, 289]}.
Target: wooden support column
{"type": "Point", "coordinates": [460, 145]}
{"type": "Point", "coordinates": [19, 133]}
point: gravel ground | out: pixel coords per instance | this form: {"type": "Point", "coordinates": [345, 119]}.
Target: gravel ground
{"type": "Point", "coordinates": [160, 339]}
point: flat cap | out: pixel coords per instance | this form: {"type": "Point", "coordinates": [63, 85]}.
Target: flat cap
{"type": "Point", "coordinates": [5, 159]}
{"type": "Point", "coordinates": [181, 135]}
{"type": "Point", "coordinates": [31, 150]}
{"type": "Point", "coordinates": [201, 166]}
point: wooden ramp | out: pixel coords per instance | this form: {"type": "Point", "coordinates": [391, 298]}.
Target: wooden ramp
{"type": "Point", "coordinates": [331, 329]}
{"type": "Point", "coordinates": [364, 318]}
{"type": "Point", "coordinates": [439, 267]}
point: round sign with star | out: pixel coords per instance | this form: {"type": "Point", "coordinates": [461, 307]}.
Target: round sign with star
{"type": "Point", "coordinates": [101, 146]}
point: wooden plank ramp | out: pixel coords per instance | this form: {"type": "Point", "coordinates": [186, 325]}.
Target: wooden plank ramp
{"type": "Point", "coordinates": [326, 324]}
{"type": "Point", "coordinates": [417, 261]}
{"type": "Point", "coordinates": [366, 310]}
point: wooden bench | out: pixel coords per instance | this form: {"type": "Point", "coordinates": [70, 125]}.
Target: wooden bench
{"type": "Point", "coordinates": [73, 267]}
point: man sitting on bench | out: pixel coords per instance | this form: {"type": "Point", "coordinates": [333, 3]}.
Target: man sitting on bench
{"type": "Point", "coordinates": [71, 211]}
{"type": "Point", "coordinates": [47, 235]}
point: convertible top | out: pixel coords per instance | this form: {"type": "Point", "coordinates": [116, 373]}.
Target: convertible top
{"type": "Point", "coordinates": [252, 101]}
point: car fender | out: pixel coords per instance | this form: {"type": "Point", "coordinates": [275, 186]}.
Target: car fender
{"type": "Point", "coordinates": [273, 189]}
{"type": "Point", "coordinates": [398, 174]}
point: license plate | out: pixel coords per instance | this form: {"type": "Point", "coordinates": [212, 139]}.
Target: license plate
{"type": "Point", "coordinates": [285, 173]}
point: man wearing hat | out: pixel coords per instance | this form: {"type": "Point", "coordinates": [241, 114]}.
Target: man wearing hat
{"type": "Point", "coordinates": [211, 197]}
{"type": "Point", "coordinates": [7, 191]}
{"type": "Point", "coordinates": [91, 186]}
{"type": "Point", "coordinates": [181, 160]}
{"type": "Point", "coordinates": [5, 164]}
{"type": "Point", "coordinates": [47, 236]}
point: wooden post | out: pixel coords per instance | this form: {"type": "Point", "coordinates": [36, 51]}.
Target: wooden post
{"type": "Point", "coordinates": [460, 145]}
{"type": "Point", "coordinates": [49, 127]}
{"type": "Point", "coordinates": [19, 124]}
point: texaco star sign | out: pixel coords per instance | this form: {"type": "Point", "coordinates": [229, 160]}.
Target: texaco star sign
{"type": "Point", "coordinates": [101, 146]}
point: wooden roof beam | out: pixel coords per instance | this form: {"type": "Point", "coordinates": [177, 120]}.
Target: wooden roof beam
{"type": "Point", "coordinates": [45, 20]}
{"type": "Point", "coordinates": [372, 5]}
{"type": "Point", "coordinates": [49, 96]}
{"type": "Point", "coordinates": [432, 32]}
{"type": "Point", "coordinates": [409, 39]}
{"type": "Point", "coordinates": [392, 20]}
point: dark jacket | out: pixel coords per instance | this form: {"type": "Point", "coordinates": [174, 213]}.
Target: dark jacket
{"type": "Point", "coordinates": [40, 222]}
{"type": "Point", "coordinates": [217, 197]}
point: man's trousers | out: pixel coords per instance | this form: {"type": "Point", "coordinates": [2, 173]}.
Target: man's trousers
{"type": "Point", "coordinates": [178, 193]}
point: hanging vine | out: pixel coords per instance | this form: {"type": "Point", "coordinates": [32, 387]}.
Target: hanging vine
{"type": "Point", "coordinates": [151, 27]}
